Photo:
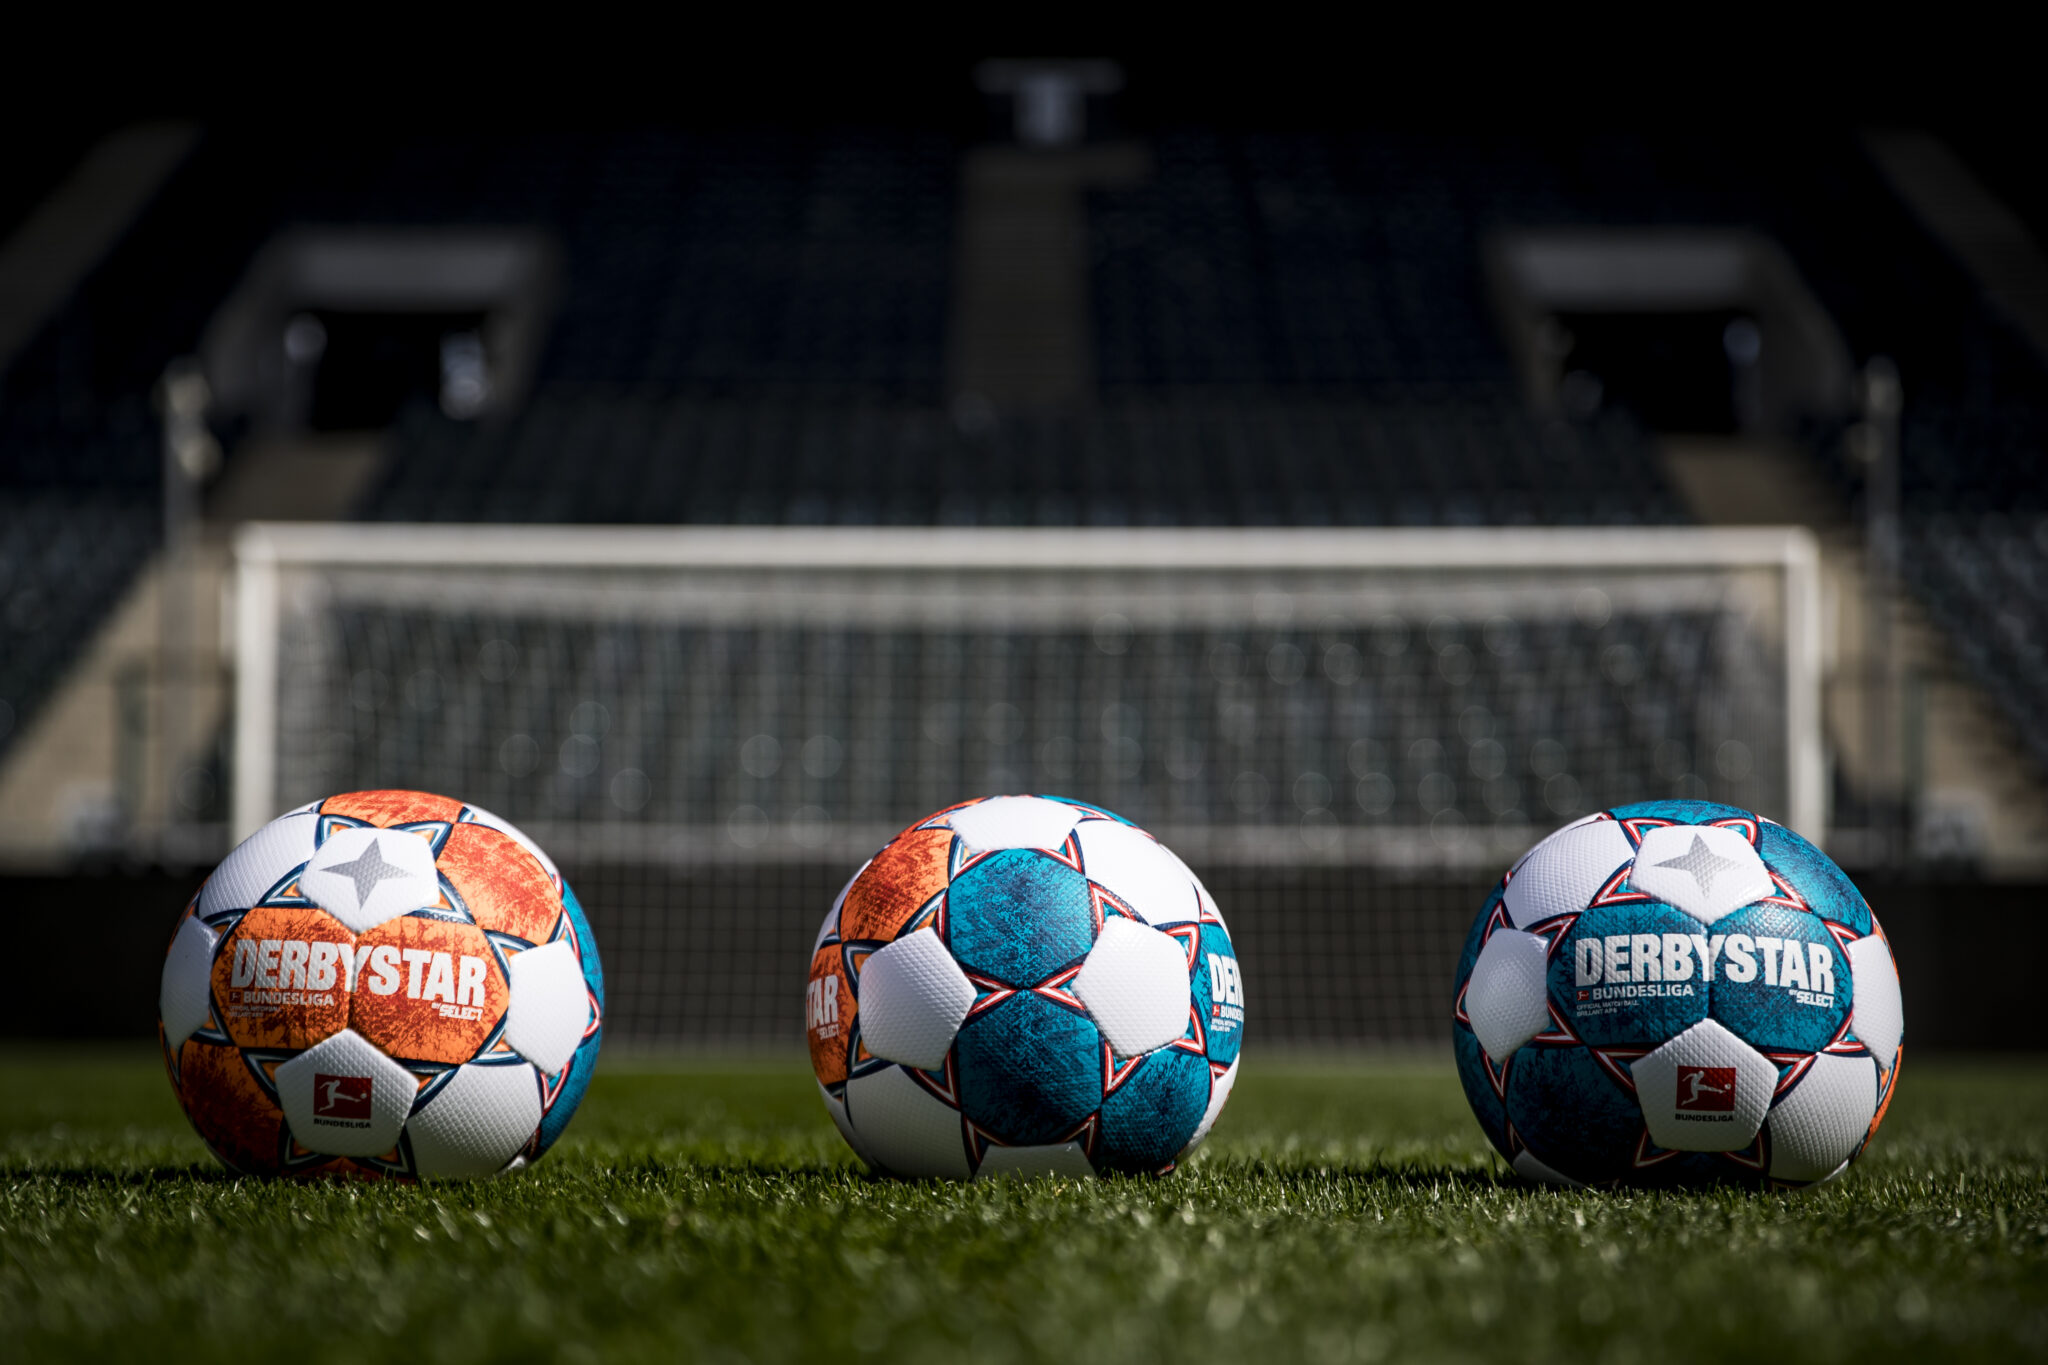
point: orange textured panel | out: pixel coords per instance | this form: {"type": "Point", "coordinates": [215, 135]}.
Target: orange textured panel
{"type": "Point", "coordinates": [384, 808]}
{"type": "Point", "coordinates": [828, 1015]}
{"type": "Point", "coordinates": [428, 990]}
{"type": "Point", "coordinates": [281, 978]}
{"type": "Point", "coordinates": [897, 884]}
{"type": "Point", "coordinates": [506, 891]}
{"type": "Point", "coordinates": [235, 1116]}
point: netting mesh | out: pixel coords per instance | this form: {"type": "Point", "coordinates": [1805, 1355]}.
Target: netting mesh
{"type": "Point", "coordinates": [1348, 759]}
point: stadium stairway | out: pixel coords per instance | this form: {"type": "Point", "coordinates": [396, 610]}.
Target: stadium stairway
{"type": "Point", "coordinates": [115, 755]}
{"type": "Point", "coordinates": [1955, 762]}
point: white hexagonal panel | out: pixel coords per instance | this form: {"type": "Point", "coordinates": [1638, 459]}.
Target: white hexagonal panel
{"type": "Point", "coordinates": [1135, 868]}
{"type": "Point", "coordinates": [1703, 870]}
{"type": "Point", "coordinates": [1823, 1119]}
{"type": "Point", "coordinates": [1559, 832]}
{"type": "Point", "coordinates": [1877, 1014]}
{"type": "Point", "coordinates": [1065, 1159]}
{"type": "Point", "coordinates": [1507, 999]}
{"type": "Point", "coordinates": [1530, 1168]}
{"type": "Point", "coordinates": [913, 996]}
{"type": "Point", "coordinates": [549, 1006]}
{"type": "Point", "coordinates": [1219, 1095]}
{"type": "Point", "coordinates": [1564, 871]}
{"type": "Point", "coordinates": [904, 1129]}
{"type": "Point", "coordinates": [477, 1122]}
{"type": "Point", "coordinates": [837, 1109]}
{"type": "Point", "coordinates": [258, 863]}
{"type": "Point", "coordinates": [1704, 1091]}
{"type": "Point", "coordinates": [345, 1098]}
{"type": "Point", "coordinates": [1134, 982]}
{"type": "Point", "coordinates": [182, 1000]}
{"type": "Point", "coordinates": [364, 877]}
{"type": "Point", "coordinates": [477, 815]}
{"type": "Point", "coordinates": [1013, 822]}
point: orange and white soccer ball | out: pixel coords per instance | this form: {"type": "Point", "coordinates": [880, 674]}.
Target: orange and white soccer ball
{"type": "Point", "coordinates": [383, 983]}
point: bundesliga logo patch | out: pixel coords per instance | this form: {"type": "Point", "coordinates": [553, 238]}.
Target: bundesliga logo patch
{"type": "Point", "coordinates": [342, 1099]}
{"type": "Point", "coordinates": [1706, 1090]}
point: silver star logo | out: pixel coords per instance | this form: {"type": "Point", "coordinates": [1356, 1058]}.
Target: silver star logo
{"type": "Point", "coordinates": [366, 871]}
{"type": "Point", "coordinates": [1702, 862]}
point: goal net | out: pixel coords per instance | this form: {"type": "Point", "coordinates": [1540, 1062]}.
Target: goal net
{"type": "Point", "coordinates": [1348, 735]}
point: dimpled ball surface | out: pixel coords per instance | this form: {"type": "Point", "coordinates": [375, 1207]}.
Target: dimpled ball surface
{"type": "Point", "coordinates": [383, 984]}
{"type": "Point", "coordinates": [1024, 985]}
{"type": "Point", "coordinates": [1677, 992]}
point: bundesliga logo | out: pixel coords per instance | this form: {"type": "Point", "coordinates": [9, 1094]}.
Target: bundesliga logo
{"type": "Point", "coordinates": [1705, 1091]}
{"type": "Point", "coordinates": [341, 1100]}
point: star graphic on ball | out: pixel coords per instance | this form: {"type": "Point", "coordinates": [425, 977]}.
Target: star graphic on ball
{"type": "Point", "coordinates": [1701, 862]}
{"type": "Point", "coordinates": [366, 871]}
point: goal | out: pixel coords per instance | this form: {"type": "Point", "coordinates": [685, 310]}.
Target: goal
{"type": "Point", "coordinates": [1347, 734]}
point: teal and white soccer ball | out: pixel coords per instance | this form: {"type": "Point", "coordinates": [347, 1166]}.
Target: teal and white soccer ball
{"type": "Point", "coordinates": [1677, 992]}
{"type": "Point", "coordinates": [1024, 984]}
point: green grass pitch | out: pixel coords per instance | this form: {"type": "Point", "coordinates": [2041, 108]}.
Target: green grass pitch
{"type": "Point", "coordinates": [704, 1212]}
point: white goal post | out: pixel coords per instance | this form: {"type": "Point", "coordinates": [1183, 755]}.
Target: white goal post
{"type": "Point", "coordinates": [1325, 606]}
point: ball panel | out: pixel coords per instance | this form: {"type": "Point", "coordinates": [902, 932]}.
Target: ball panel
{"type": "Point", "coordinates": [477, 815]}
{"type": "Point", "coordinates": [1821, 1122]}
{"type": "Point", "coordinates": [428, 990]}
{"type": "Point", "coordinates": [1030, 1070]}
{"type": "Point", "coordinates": [1565, 871]}
{"type": "Point", "coordinates": [343, 1097]}
{"type": "Point", "coordinates": [904, 1129]}
{"type": "Point", "coordinates": [1630, 975]}
{"type": "Point", "coordinates": [1507, 1000]}
{"type": "Point", "coordinates": [1515, 870]}
{"type": "Point", "coordinates": [1220, 1086]}
{"type": "Point", "coordinates": [1680, 812]}
{"type": "Point", "coordinates": [185, 998]}
{"type": "Point", "coordinates": [1781, 983]}
{"type": "Point", "coordinates": [1573, 1116]}
{"type": "Point", "coordinates": [258, 864]}
{"type": "Point", "coordinates": [386, 808]}
{"type": "Point", "coordinates": [1133, 866]}
{"type": "Point", "coordinates": [1152, 1114]}
{"type": "Point", "coordinates": [477, 1122]}
{"type": "Point", "coordinates": [835, 1105]}
{"type": "Point", "coordinates": [365, 876]}
{"type": "Point", "coordinates": [1013, 822]}
{"type": "Point", "coordinates": [1878, 1017]}
{"type": "Point", "coordinates": [1815, 877]}
{"type": "Point", "coordinates": [897, 883]}
{"type": "Point", "coordinates": [237, 1118]}
{"type": "Point", "coordinates": [1486, 1103]}
{"type": "Point", "coordinates": [1019, 916]}
{"type": "Point", "coordinates": [1529, 1168]}
{"type": "Point", "coordinates": [282, 977]}
{"type": "Point", "coordinates": [1706, 871]}
{"type": "Point", "coordinates": [1135, 985]}
{"type": "Point", "coordinates": [1064, 1159]}
{"type": "Point", "coordinates": [913, 996]}
{"type": "Point", "coordinates": [504, 888]}
{"type": "Point", "coordinates": [547, 1005]}
{"type": "Point", "coordinates": [829, 1014]}
{"type": "Point", "coordinates": [1704, 1091]}
{"type": "Point", "coordinates": [1217, 989]}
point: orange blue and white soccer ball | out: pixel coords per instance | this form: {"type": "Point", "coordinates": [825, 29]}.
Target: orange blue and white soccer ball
{"type": "Point", "coordinates": [382, 983]}
{"type": "Point", "coordinates": [1678, 992]}
{"type": "Point", "coordinates": [1028, 985]}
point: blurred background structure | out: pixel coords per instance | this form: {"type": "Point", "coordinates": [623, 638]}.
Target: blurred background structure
{"type": "Point", "coordinates": [1076, 296]}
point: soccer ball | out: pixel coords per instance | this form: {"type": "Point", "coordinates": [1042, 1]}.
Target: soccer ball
{"type": "Point", "coordinates": [1677, 992]}
{"type": "Point", "coordinates": [383, 983]}
{"type": "Point", "coordinates": [1027, 985]}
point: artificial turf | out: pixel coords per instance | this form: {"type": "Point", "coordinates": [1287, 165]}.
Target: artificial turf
{"type": "Point", "coordinates": [1342, 1212]}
